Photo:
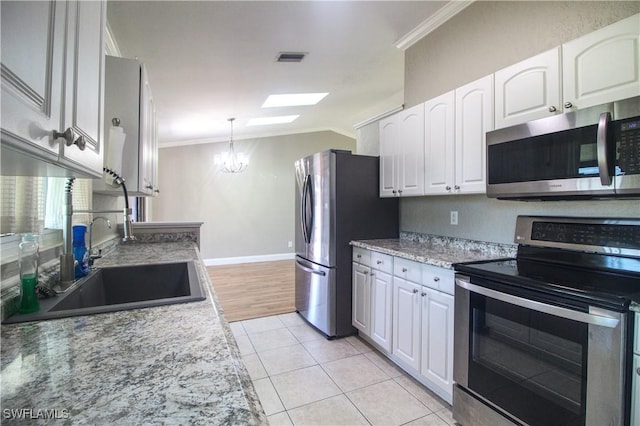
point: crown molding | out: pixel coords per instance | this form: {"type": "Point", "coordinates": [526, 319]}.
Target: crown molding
{"type": "Point", "coordinates": [443, 14]}
{"type": "Point", "coordinates": [111, 45]}
{"type": "Point", "coordinates": [378, 117]}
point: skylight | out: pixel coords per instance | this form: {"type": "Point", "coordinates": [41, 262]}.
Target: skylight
{"type": "Point", "coordinates": [295, 99]}
{"type": "Point", "coordinates": [272, 120]}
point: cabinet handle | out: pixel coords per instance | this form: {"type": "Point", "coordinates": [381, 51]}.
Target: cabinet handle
{"type": "Point", "coordinates": [568, 105]}
{"type": "Point", "coordinates": [157, 191]}
{"type": "Point", "coordinates": [373, 275]}
{"type": "Point", "coordinates": [404, 269]}
{"type": "Point", "coordinates": [552, 109]}
{"type": "Point", "coordinates": [448, 188]}
{"type": "Point", "coordinates": [394, 192]}
{"type": "Point", "coordinates": [638, 371]}
{"type": "Point", "coordinates": [149, 187]}
{"type": "Point", "coordinates": [423, 294]}
{"type": "Point", "coordinates": [415, 290]}
{"type": "Point", "coordinates": [436, 279]}
{"type": "Point", "coordinates": [71, 138]}
{"type": "Point", "coordinates": [456, 187]}
{"type": "Point", "coordinates": [358, 256]}
{"type": "Point", "coordinates": [399, 191]}
{"type": "Point", "coordinates": [378, 262]}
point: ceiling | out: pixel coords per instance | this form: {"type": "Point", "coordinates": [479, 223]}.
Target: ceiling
{"type": "Point", "coordinates": [211, 60]}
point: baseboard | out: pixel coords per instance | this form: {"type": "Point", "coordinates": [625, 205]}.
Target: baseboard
{"type": "Point", "coordinates": [249, 259]}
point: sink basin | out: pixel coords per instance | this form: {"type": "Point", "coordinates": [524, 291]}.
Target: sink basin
{"type": "Point", "coordinates": [122, 288]}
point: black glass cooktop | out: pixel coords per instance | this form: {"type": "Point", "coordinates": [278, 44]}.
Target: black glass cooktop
{"type": "Point", "coordinates": [607, 281]}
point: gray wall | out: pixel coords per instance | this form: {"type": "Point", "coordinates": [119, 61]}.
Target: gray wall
{"type": "Point", "coordinates": [482, 39]}
{"type": "Point", "coordinates": [246, 214]}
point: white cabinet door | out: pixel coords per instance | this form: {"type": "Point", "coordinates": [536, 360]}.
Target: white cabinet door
{"type": "Point", "coordinates": [474, 117]}
{"type": "Point", "coordinates": [402, 153]}
{"type": "Point", "coordinates": [602, 66]}
{"type": "Point", "coordinates": [32, 74]}
{"type": "Point", "coordinates": [411, 167]}
{"type": "Point", "coordinates": [147, 133]}
{"type": "Point", "coordinates": [381, 317]}
{"type": "Point", "coordinates": [406, 322]}
{"type": "Point", "coordinates": [439, 140]}
{"type": "Point", "coordinates": [84, 85]}
{"type": "Point", "coordinates": [528, 90]}
{"type": "Point", "coordinates": [437, 339]}
{"type": "Point", "coordinates": [388, 157]}
{"type": "Point", "coordinates": [361, 299]}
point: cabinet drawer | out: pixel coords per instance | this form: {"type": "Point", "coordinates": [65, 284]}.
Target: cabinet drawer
{"type": "Point", "coordinates": [438, 278]}
{"type": "Point", "coordinates": [382, 262]}
{"type": "Point", "coordinates": [408, 269]}
{"type": "Point", "coordinates": [362, 256]}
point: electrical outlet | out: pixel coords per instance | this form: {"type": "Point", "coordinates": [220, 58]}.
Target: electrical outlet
{"type": "Point", "coordinates": [454, 217]}
{"type": "Point", "coordinates": [290, 244]}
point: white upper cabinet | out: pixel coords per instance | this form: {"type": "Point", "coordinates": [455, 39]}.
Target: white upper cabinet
{"type": "Point", "coordinates": [602, 66]}
{"type": "Point", "coordinates": [388, 157]}
{"type": "Point", "coordinates": [402, 153]}
{"type": "Point", "coordinates": [455, 127]}
{"type": "Point", "coordinates": [439, 141]}
{"type": "Point", "coordinates": [474, 117]}
{"type": "Point", "coordinates": [57, 86]}
{"type": "Point", "coordinates": [129, 99]}
{"type": "Point", "coordinates": [528, 90]}
{"type": "Point", "coordinates": [84, 88]}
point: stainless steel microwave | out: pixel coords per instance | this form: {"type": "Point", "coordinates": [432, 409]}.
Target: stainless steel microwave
{"type": "Point", "coordinates": [589, 153]}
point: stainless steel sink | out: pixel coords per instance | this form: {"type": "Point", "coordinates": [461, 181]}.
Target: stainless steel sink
{"type": "Point", "coordinates": [122, 288]}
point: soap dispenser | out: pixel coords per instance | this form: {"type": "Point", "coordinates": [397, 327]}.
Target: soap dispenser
{"type": "Point", "coordinates": [80, 254]}
{"type": "Point", "coordinates": [28, 265]}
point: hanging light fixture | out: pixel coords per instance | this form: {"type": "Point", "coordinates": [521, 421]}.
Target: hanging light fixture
{"type": "Point", "coordinates": [231, 161]}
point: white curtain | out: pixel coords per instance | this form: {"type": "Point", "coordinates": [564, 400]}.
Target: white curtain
{"type": "Point", "coordinates": [30, 204]}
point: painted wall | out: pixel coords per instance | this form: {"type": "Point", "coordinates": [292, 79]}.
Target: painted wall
{"type": "Point", "coordinates": [246, 214]}
{"type": "Point", "coordinates": [483, 38]}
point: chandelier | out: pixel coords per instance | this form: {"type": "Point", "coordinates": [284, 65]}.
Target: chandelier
{"type": "Point", "coordinates": [231, 161]}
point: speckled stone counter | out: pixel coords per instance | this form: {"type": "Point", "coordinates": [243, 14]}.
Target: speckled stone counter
{"type": "Point", "coordinates": [437, 250]}
{"type": "Point", "coordinates": [176, 364]}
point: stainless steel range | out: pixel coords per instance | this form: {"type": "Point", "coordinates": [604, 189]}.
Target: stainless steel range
{"type": "Point", "coordinates": [546, 338]}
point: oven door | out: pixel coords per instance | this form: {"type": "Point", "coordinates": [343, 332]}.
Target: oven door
{"type": "Point", "coordinates": [537, 363]}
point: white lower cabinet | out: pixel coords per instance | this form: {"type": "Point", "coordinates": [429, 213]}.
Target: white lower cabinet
{"type": "Point", "coordinates": [436, 363]}
{"type": "Point", "coordinates": [405, 310]}
{"type": "Point", "coordinates": [361, 297]}
{"type": "Point", "coordinates": [406, 322]}
{"type": "Point", "coordinates": [381, 296]}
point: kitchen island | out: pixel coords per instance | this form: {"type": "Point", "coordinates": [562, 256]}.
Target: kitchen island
{"type": "Point", "coordinates": [175, 364]}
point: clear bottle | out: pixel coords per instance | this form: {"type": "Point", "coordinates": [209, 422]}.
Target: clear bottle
{"type": "Point", "coordinates": [28, 263]}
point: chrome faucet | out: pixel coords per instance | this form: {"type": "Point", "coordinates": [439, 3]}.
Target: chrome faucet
{"type": "Point", "coordinates": [67, 263]}
{"type": "Point", "coordinates": [92, 256]}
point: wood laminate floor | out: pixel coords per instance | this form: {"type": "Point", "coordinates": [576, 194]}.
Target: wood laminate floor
{"type": "Point", "coordinates": [254, 290]}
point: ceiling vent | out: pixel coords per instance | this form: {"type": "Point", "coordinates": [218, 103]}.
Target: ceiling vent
{"type": "Point", "coordinates": [291, 56]}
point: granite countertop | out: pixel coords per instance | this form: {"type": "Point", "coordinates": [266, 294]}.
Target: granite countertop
{"type": "Point", "coordinates": [437, 250]}
{"type": "Point", "coordinates": [176, 363]}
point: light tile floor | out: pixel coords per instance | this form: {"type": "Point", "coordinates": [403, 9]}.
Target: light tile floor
{"type": "Point", "coordinates": [304, 379]}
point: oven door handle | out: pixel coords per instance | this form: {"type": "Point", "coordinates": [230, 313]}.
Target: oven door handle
{"type": "Point", "coordinates": [584, 317]}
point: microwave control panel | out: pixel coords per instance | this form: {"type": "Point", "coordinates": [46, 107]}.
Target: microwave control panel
{"type": "Point", "coordinates": [629, 147]}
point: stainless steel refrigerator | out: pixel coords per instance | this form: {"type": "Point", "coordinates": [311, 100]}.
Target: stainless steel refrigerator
{"type": "Point", "coordinates": [337, 201]}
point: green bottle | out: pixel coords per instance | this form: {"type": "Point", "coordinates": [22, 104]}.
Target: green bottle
{"type": "Point", "coordinates": [29, 252]}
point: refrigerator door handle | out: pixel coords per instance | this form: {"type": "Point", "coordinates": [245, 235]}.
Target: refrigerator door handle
{"type": "Point", "coordinates": [307, 196]}
{"type": "Point", "coordinates": [303, 209]}
{"type": "Point", "coordinates": [310, 270]}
